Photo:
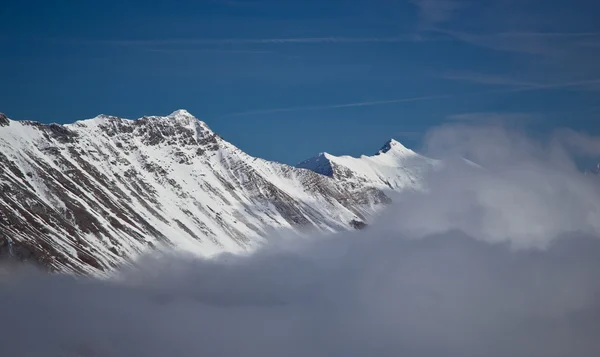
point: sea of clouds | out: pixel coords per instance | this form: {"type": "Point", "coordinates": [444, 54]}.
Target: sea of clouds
{"type": "Point", "coordinates": [500, 257]}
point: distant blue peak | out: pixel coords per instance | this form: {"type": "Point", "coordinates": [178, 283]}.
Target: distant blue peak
{"type": "Point", "coordinates": [319, 164]}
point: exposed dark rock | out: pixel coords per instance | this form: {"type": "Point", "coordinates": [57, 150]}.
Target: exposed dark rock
{"type": "Point", "coordinates": [358, 224]}
{"type": "Point", "coordinates": [4, 120]}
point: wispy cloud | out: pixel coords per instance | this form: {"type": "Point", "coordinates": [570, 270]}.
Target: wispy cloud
{"type": "Point", "coordinates": [496, 117]}
{"type": "Point", "coordinates": [207, 51]}
{"type": "Point", "coordinates": [496, 261]}
{"type": "Point", "coordinates": [534, 43]}
{"type": "Point", "coordinates": [586, 84]}
{"type": "Point", "coordinates": [334, 106]}
{"type": "Point", "coordinates": [269, 41]}
{"type": "Point", "coordinates": [487, 79]}
{"type": "Point", "coordinates": [582, 143]}
{"type": "Point", "coordinates": [217, 51]}
{"type": "Point", "coordinates": [562, 85]}
{"type": "Point", "coordinates": [520, 85]}
{"type": "Point", "coordinates": [590, 43]}
{"type": "Point", "coordinates": [436, 11]}
{"type": "Point", "coordinates": [236, 3]}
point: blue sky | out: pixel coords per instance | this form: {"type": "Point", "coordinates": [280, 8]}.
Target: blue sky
{"type": "Point", "coordinates": [285, 80]}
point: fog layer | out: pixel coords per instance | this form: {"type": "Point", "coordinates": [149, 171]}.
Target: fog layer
{"type": "Point", "coordinates": [500, 257]}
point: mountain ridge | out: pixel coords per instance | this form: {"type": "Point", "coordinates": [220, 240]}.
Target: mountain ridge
{"type": "Point", "coordinates": [393, 167]}
{"type": "Point", "coordinates": [88, 196]}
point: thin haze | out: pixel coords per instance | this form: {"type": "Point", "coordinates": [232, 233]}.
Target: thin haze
{"type": "Point", "coordinates": [497, 259]}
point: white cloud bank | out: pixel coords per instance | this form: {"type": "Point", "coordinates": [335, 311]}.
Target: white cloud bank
{"type": "Point", "coordinates": [491, 262]}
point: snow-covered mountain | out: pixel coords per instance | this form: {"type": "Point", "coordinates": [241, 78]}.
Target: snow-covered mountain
{"type": "Point", "coordinates": [393, 167]}
{"type": "Point", "coordinates": [88, 196]}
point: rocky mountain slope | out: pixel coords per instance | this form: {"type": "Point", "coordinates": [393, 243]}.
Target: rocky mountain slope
{"type": "Point", "coordinates": [88, 196]}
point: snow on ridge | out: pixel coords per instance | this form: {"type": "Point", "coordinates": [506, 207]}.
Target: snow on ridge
{"type": "Point", "coordinates": [181, 114]}
{"type": "Point", "coordinates": [177, 115]}
{"type": "Point", "coordinates": [106, 189]}
{"type": "Point", "coordinates": [394, 166]}
{"type": "Point", "coordinates": [395, 147]}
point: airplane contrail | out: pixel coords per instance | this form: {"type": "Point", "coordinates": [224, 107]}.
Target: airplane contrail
{"type": "Point", "coordinates": [334, 106]}
{"type": "Point", "coordinates": [257, 41]}
{"type": "Point", "coordinates": [560, 85]}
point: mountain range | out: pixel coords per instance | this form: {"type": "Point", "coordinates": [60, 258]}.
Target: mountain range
{"type": "Point", "coordinates": [86, 197]}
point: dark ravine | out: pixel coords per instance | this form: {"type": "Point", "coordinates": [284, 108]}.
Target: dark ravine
{"type": "Point", "coordinates": [86, 197]}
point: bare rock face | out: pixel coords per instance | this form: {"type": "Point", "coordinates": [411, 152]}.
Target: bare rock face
{"type": "Point", "coordinates": [89, 196]}
{"type": "Point", "coordinates": [358, 224]}
{"type": "Point", "coordinates": [4, 120]}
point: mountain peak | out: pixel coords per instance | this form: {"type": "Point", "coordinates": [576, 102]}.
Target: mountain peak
{"type": "Point", "coordinates": [319, 164]}
{"type": "Point", "coordinates": [105, 117]}
{"type": "Point", "coordinates": [394, 146]}
{"type": "Point", "coordinates": [181, 114]}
